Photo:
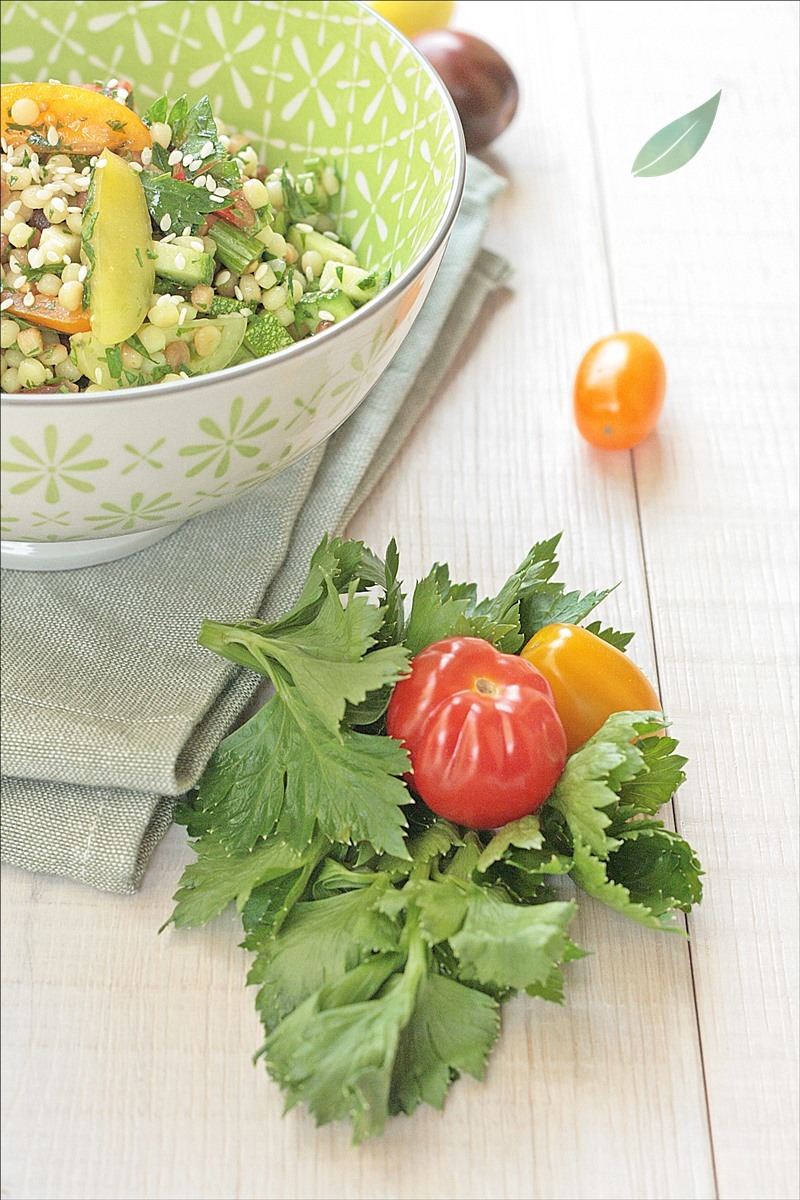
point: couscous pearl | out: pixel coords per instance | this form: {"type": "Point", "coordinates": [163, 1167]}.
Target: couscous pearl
{"type": "Point", "coordinates": [24, 111]}
{"type": "Point", "coordinates": [9, 380]}
{"type": "Point", "coordinates": [206, 340]}
{"type": "Point", "coordinates": [29, 341]}
{"type": "Point", "coordinates": [32, 373]}
{"type": "Point", "coordinates": [163, 316]}
{"type": "Point", "coordinates": [20, 235]}
{"type": "Point", "coordinates": [70, 295]}
{"type": "Point", "coordinates": [255, 193]}
{"type": "Point", "coordinates": [8, 333]}
{"type": "Point", "coordinates": [49, 284]}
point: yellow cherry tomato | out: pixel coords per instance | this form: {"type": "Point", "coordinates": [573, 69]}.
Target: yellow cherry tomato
{"type": "Point", "coordinates": [590, 679]}
{"type": "Point", "coordinates": [413, 16]}
{"type": "Point", "coordinates": [84, 121]}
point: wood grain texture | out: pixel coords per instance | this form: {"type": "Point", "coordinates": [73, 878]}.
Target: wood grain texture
{"type": "Point", "coordinates": [717, 289]}
{"type": "Point", "coordinates": [126, 1056]}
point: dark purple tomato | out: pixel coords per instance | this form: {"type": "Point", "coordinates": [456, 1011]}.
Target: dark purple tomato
{"type": "Point", "coordinates": [482, 84]}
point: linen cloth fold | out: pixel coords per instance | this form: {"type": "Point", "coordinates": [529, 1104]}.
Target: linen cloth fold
{"type": "Point", "coordinates": [110, 709]}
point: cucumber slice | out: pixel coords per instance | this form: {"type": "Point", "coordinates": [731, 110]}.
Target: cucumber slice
{"type": "Point", "coordinates": [321, 306]}
{"type": "Point", "coordinates": [265, 335]}
{"type": "Point", "coordinates": [223, 306]}
{"type": "Point", "coordinates": [117, 246]}
{"type": "Point", "coordinates": [327, 248]}
{"type": "Point", "coordinates": [330, 250]}
{"type": "Point", "coordinates": [102, 364]}
{"type": "Point", "coordinates": [358, 285]}
{"type": "Point", "coordinates": [182, 264]}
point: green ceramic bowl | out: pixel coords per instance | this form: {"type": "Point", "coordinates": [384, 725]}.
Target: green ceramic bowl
{"type": "Point", "coordinates": [92, 477]}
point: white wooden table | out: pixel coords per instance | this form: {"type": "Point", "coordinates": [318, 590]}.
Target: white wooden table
{"type": "Point", "coordinates": [671, 1070]}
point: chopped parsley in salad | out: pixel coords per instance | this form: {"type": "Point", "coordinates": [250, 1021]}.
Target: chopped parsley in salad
{"type": "Point", "coordinates": [139, 250]}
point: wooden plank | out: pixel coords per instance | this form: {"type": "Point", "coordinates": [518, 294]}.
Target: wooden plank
{"type": "Point", "coordinates": [126, 1055]}
{"type": "Point", "coordinates": [705, 262]}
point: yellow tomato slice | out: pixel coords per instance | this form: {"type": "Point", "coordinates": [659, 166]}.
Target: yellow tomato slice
{"type": "Point", "coordinates": [118, 247]}
{"type": "Point", "coordinates": [414, 16]}
{"type": "Point", "coordinates": [85, 122]}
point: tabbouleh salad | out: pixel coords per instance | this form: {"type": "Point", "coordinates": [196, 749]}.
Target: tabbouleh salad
{"type": "Point", "coordinates": [148, 250]}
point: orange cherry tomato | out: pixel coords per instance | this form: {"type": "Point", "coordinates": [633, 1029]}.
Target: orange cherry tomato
{"type": "Point", "coordinates": [47, 312]}
{"type": "Point", "coordinates": [85, 122]}
{"type": "Point", "coordinates": [619, 391]}
{"type": "Point", "coordinates": [590, 679]}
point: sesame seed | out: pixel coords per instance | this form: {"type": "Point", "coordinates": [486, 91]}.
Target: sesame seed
{"type": "Point", "coordinates": [98, 374]}
{"type": "Point", "coordinates": [309, 275]}
{"type": "Point", "coordinates": [324, 315]}
{"type": "Point", "coordinates": [18, 282]}
{"type": "Point", "coordinates": [200, 181]}
{"type": "Point", "coordinates": [223, 191]}
{"type": "Point", "coordinates": [52, 257]}
{"type": "Point", "coordinates": [82, 273]}
{"type": "Point", "coordinates": [187, 232]}
{"type": "Point", "coordinates": [52, 135]}
{"type": "Point", "coordinates": [180, 261]}
{"type": "Point", "coordinates": [170, 237]}
{"type": "Point", "coordinates": [223, 277]}
{"type": "Point", "coordinates": [137, 167]}
{"type": "Point", "coordinates": [187, 158]}
{"type": "Point", "coordinates": [174, 158]}
{"type": "Point", "coordinates": [302, 227]}
{"type": "Point", "coordinates": [211, 183]}
{"type": "Point", "coordinates": [245, 312]}
{"type": "Point", "coordinates": [147, 156]}
{"type": "Point", "coordinates": [195, 164]}
{"type": "Point", "coordinates": [162, 300]}
{"type": "Point", "coordinates": [112, 83]}
{"type": "Point", "coordinates": [308, 186]}
{"type": "Point", "coordinates": [238, 293]}
{"type": "Point", "coordinates": [165, 222]}
{"type": "Point", "coordinates": [4, 304]}
{"type": "Point", "coordinates": [206, 150]}
{"type": "Point", "coordinates": [334, 237]}
{"type": "Point", "coordinates": [29, 299]}
{"type": "Point", "coordinates": [182, 315]}
{"type": "Point", "coordinates": [122, 95]}
{"type": "Point", "coordinates": [100, 162]}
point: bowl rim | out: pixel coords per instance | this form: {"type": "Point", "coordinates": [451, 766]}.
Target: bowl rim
{"type": "Point", "coordinates": [387, 296]}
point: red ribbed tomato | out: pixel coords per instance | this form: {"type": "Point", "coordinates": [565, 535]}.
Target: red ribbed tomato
{"type": "Point", "coordinates": [485, 741]}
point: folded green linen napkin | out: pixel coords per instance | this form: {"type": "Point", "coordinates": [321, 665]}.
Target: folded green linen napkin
{"type": "Point", "coordinates": [110, 708]}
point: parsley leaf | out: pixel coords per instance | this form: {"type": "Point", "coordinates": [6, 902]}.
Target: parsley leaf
{"type": "Point", "coordinates": [320, 941]}
{"type": "Point", "coordinates": [592, 874]}
{"type": "Point", "coordinates": [217, 877]}
{"type": "Point", "coordinates": [325, 658]}
{"type": "Point", "coordinates": [185, 204]}
{"type": "Point", "coordinates": [441, 609]}
{"type": "Point", "coordinates": [297, 206]}
{"type": "Point", "coordinates": [452, 1029]}
{"type": "Point", "coordinates": [281, 776]}
{"type": "Point", "coordinates": [593, 776]}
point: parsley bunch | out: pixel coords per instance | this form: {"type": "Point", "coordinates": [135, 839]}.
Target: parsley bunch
{"type": "Point", "coordinates": [385, 939]}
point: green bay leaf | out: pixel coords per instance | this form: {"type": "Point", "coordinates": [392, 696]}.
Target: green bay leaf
{"type": "Point", "coordinates": [674, 145]}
